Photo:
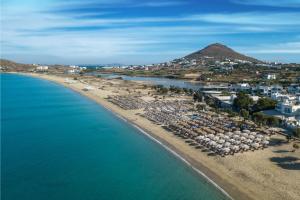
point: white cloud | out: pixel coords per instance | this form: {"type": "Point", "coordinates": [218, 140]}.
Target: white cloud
{"type": "Point", "coordinates": [253, 18]}
{"type": "Point", "coordinates": [273, 3]}
{"type": "Point", "coordinates": [279, 48]}
{"type": "Point", "coordinates": [33, 32]}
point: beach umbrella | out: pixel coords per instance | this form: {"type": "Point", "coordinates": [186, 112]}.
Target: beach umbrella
{"type": "Point", "coordinates": [221, 141]}
{"type": "Point", "coordinates": [216, 138]}
{"type": "Point", "coordinates": [258, 139]}
{"type": "Point", "coordinates": [226, 137]}
{"type": "Point", "coordinates": [206, 140]}
{"type": "Point", "coordinates": [211, 136]}
{"type": "Point", "coordinates": [213, 143]}
{"type": "Point", "coordinates": [246, 131]}
{"type": "Point", "coordinates": [255, 145]}
{"type": "Point", "coordinates": [236, 136]}
{"type": "Point", "coordinates": [201, 137]}
{"type": "Point", "coordinates": [237, 142]}
{"type": "Point", "coordinates": [226, 150]}
{"type": "Point", "coordinates": [227, 144]}
{"type": "Point", "coordinates": [221, 135]}
{"type": "Point", "coordinates": [267, 138]}
{"type": "Point", "coordinates": [245, 147]}
{"type": "Point", "coordinates": [253, 133]}
{"type": "Point", "coordinates": [229, 133]}
{"type": "Point", "coordinates": [251, 137]}
{"type": "Point", "coordinates": [235, 148]}
{"type": "Point", "coordinates": [245, 135]}
{"type": "Point", "coordinates": [265, 142]}
{"type": "Point", "coordinates": [249, 141]}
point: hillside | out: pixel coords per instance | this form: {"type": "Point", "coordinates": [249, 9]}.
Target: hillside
{"type": "Point", "coordinates": [219, 52]}
{"type": "Point", "coordinates": [13, 66]}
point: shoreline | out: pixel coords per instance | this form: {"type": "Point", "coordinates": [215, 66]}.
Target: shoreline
{"type": "Point", "coordinates": [230, 175]}
{"type": "Point", "coordinates": [174, 153]}
{"type": "Point", "coordinates": [194, 165]}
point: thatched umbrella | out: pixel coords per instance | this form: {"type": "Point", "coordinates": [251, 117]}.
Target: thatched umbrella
{"type": "Point", "coordinates": [255, 145]}
{"type": "Point", "coordinates": [227, 144]}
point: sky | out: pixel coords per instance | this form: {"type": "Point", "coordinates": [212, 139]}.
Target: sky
{"type": "Point", "coordinates": [146, 31]}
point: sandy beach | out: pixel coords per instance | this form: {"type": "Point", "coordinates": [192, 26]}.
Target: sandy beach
{"type": "Point", "coordinates": [263, 174]}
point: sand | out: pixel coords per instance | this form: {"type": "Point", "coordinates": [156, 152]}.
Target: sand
{"type": "Point", "coordinates": [263, 174]}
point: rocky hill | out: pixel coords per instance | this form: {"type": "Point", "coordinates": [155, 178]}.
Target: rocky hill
{"type": "Point", "coordinates": [219, 52]}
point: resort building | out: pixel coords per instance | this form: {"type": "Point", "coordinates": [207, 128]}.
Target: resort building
{"type": "Point", "coordinates": [294, 89]}
{"type": "Point", "coordinates": [288, 106]}
{"type": "Point", "coordinates": [268, 90]}
{"type": "Point", "coordinates": [42, 68]}
{"type": "Point", "coordinates": [270, 77]}
{"type": "Point", "coordinates": [241, 87]}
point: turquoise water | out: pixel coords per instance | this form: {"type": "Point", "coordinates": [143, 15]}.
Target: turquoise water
{"type": "Point", "coordinates": [57, 144]}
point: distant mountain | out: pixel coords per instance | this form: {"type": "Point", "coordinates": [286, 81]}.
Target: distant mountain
{"type": "Point", "coordinates": [219, 52]}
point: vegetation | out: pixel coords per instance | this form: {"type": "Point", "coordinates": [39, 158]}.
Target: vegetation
{"type": "Point", "coordinates": [243, 101]}
{"type": "Point", "coordinates": [244, 113]}
{"type": "Point", "coordinates": [295, 147]}
{"type": "Point", "coordinates": [264, 103]}
{"type": "Point", "coordinates": [175, 89]}
{"type": "Point", "coordinates": [296, 132]}
{"type": "Point", "coordinates": [160, 89]}
{"type": "Point", "coordinates": [200, 107]}
{"type": "Point", "coordinates": [263, 119]}
{"type": "Point", "coordinates": [197, 96]}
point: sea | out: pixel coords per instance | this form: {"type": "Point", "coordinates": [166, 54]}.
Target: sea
{"type": "Point", "coordinates": [59, 145]}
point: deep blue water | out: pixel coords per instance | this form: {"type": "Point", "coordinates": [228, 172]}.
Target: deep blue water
{"type": "Point", "coordinates": [57, 144]}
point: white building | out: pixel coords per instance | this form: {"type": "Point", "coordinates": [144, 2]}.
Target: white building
{"type": "Point", "coordinates": [42, 68]}
{"type": "Point", "coordinates": [271, 76]}
{"type": "Point", "coordinates": [241, 87]}
{"type": "Point", "coordinates": [294, 89]}
{"type": "Point", "coordinates": [268, 90]}
{"type": "Point", "coordinates": [288, 106]}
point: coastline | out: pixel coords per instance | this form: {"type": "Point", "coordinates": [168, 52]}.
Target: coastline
{"type": "Point", "coordinates": [164, 144]}
{"type": "Point", "coordinates": [201, 163]}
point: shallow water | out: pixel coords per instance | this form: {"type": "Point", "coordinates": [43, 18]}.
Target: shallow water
{"type": "Point", "coordinates": [57, 144]}
{"type": "Point", "coordinates": [167, 82]}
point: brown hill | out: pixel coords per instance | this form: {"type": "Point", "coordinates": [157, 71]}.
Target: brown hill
{"type": "Point", "coordinates": [219, 52]}
{"type": "Point", "coordinates": [13, 66]}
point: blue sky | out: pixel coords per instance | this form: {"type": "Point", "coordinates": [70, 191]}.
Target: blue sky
{"type": "Point", "coordinates": [148, 31]}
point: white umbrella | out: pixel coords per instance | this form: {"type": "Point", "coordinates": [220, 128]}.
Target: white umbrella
{"type": "Point", "coordinates": [221, 141]}
{"type": "Point", "coordinates": [252, 133]}
{"type": "Point", "coordinates": [227, 144]}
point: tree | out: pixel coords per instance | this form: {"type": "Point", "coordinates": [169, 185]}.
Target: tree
{"type": "Point", "coordinates": [244, 113]}
{"type": "Point", "coordinates": [200, 107]}
{"type": "Point", "coordinates": [264, 104]}
{"type": "Point", "coordinates": [288, 137]}
{"type": "Point", "coordinates": [297, 132]}
{"type": "Point", "coordinates": [185, 90]}
{"type": "Point", "coordinates": [243, 101]}
{"type": "Point", "coordinates": [197, 96]}
{"type": "Point", "coordinates": [272, 121]}
{"type": "Point", "coordinates": [259, 118]}
{"type": "Point", "coordinates": [163, 91]}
